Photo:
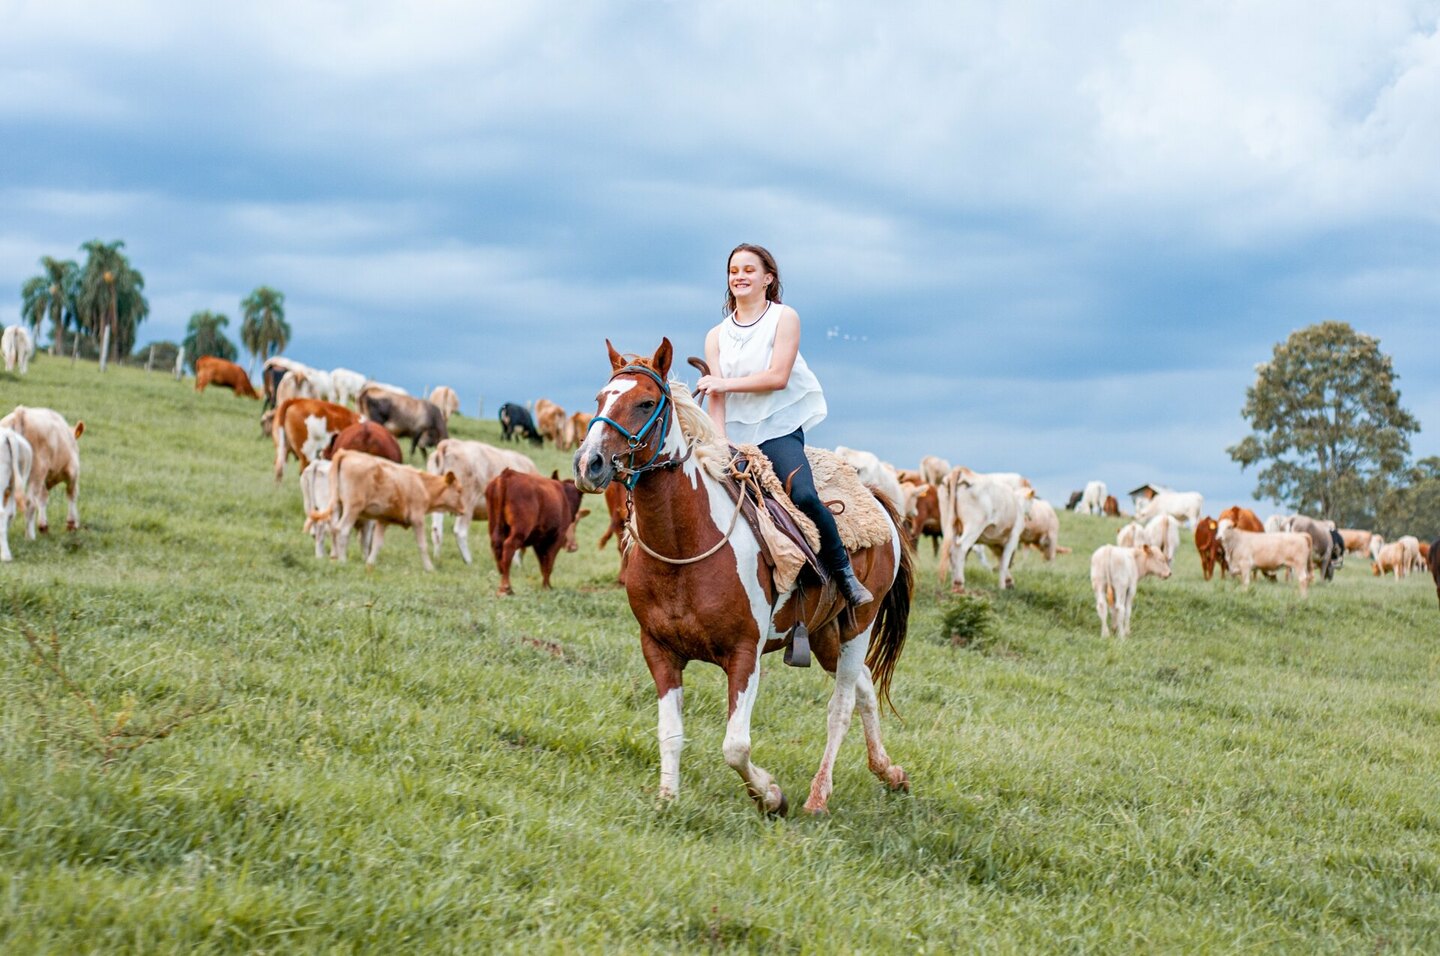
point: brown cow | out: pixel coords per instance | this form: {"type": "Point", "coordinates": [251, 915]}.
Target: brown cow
{"type": "Point", "coordinates": [210, 370]}
{"type": "Point", "coordinates": [367, 437]}
{"type": "Point", "coordinates": [365, 487]}
{"type": "Point", "coordinates": [1435, 565]}
{"type": "Point", "coordinates": [527, 511]}
{"type": "Point", "coordinates": [1242, 518]}
{"type": "Point", "coordinates": [406, 417]}
{"type": "Point", "coordinates": [1208, 544]}
{"type": "Point", "coordinates": [551, 421]}
{"type": "Point", "coordinates": [1111, 508]}
{"type": "Point", "coordinates": [925, 518]}
{"type": "Point", "coordinates": [303, 426]}
{"type": "Point", "coordinates": [1357, 541]}
{"type": "Point", "coordinates": [619, 510]}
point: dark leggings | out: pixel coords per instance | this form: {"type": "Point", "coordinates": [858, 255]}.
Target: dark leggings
{"type": "Point", "coordinates": [787, 455]}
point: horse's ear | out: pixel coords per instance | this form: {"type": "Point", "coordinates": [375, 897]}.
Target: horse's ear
{"type": "Point", "coordinates": [555, 475]}
{"type": "Point", "coordinates": [660, 361]}
{"type": "Point", "coordinates": [617, 361]}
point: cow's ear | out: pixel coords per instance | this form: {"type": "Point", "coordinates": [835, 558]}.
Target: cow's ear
{"type": "Point", "coordinates": [660, 361]}
{"type": "Point", "coordinates": [555, 475]}
{"type": "Point", "coordinates": [450, 478]}
{"type": "Point", "coordinates": [617, 361]}
{"type": "Point", "coordinates": [583, 513]}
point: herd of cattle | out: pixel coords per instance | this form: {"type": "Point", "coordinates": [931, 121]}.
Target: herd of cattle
{"type": "Point", "coordinates": [345, 430]}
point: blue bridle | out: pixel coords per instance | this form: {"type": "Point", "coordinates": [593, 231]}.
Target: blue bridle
{"type": "Point", "coordinates": [635, 439]}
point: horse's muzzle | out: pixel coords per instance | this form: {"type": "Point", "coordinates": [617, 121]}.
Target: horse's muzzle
{"type": "Point", "coordinates": [593, 470]}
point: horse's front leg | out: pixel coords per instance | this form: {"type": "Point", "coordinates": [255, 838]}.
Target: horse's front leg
{"type": "Point", "coordinates": [743, 672]}
{"type": "Point", "coordinates": [668, 674]}
{"type": "Point", "coordinates": [842, 705]}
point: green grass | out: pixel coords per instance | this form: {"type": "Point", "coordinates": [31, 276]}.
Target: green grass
{"type": "Point", "coordinates": [403, 761]}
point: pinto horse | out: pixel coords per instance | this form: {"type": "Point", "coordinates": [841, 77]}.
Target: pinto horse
{"type": "Point", "coordinates": [701, 590]}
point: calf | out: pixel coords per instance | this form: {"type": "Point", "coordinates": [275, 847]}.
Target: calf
{"type": "Point", "coordinates": [1161, 531]}
{"type": "Point", "coordinates": [1249, 551]}
{"type": "Point", "coordinates": [303, 428]}
{"type": "Point", "coordinates": [1042, 529]}
{"type": "Point", "coordinates": [405, 417]}
{"type": "Point", "coordinates": [1111, 508]}
{"type": "Point", "coordinates": [17, 346]}
{"type": "Point", "coordinates": [1114, 574]}
{"type": "Point", "coordinates": [515, 419]}
{"type": "Point", "coordinates": [1392, 557]}
{"type": "Point", "coordinates": [981, 509]}
{"type": "Point", "coordinates": [210, 370]}
{"type": "Point", "coordinates": [367, 437]}
{"type": "Point", "coordinates": [445, 399]}
{"type": "Point", "coordinates": [527, 511]}
{"type": "Point", "coordinates": [55, 458]}
{"type": "Point", "coordinates": [16, 461]}
{"type": "Point", "coordinates": [1092, 500]}
{"type": "Point", "coordinates": [474, 464]}
{"type": "Point", "coordinates": [1208, 544]}
{"type": "Point", "coordinates": [363, 486]}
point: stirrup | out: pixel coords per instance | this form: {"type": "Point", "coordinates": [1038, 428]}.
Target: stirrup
{"type": "Point", "coordinates": [797, 652]}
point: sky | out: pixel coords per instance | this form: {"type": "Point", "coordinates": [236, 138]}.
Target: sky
{"type": "Point", "coordinates": [1049, 238]}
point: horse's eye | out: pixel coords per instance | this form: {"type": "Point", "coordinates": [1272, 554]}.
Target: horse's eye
{"type": "Point", "coordinates": [645, 406]}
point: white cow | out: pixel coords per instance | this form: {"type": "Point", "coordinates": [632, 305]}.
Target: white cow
{"type": "Point", "coordinates": [1114, 574]}
{"type": "Point", "coordinates": [347, 385]}
{"type": "Point", "coordinates": [933, 469]}
{"type": "Point", "coordinates": [1162, 532]}
{"type": "Point", "coordinates": [981, 510]}
{"type": "Point", "coordinates": [1278, 524]}
{"type": "Point", "coordinates": [444, 398]}
{"type": "Point", "coordinates": [474, 464]}
{"type": "Point", "coordinates": [16, 459]}
{"type": "Point", "coordinates": [875, 473]}
{"type": "Point", "coordinates": [56, 459]}
{"type": "Point", "coordinates": [1092, 501]}
{"type": "Point", "coordinates": [17, 347]}
{"type": "Point", "coordinates": [1042, 529]}
{"type": "Point", "coordinates": [1188, 505]}
{"type": "Point", "coordinates": [1249, 551]}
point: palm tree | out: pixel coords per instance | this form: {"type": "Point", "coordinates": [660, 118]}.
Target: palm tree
{"type": "Point", "coordinates": [264, 331]}
{"type": "Point", "coordinates": [51, 294]}
{"type": "Point", "coordinates": [111, 295]}
{"type": "Point", "coordinates": [205, 335]}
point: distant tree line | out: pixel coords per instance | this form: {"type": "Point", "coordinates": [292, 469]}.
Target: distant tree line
{"type": "Point", "coordinates": [81, 303]}
{"type": "Point", "coordinates": [1331, 439]}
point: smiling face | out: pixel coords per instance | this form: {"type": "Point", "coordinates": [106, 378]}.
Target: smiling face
{"type": "Point", "coordinates": [748, 275]}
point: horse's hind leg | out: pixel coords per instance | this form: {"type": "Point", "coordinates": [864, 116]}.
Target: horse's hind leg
{"type": "Point", "coordinates": [842, 705]}
{"type": "Point", "coordinates": [881, 766]}
{"type": "Point", "coordinates": [743, 672]}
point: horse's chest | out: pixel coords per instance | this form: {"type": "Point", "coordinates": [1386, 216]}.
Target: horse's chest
{"type": "Point", "coordinates": [700, 608]}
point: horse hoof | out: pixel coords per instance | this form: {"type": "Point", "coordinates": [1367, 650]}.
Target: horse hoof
{"type": "Point", "coordinates": [896, 779]}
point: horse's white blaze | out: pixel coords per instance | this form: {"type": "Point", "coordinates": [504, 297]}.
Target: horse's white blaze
{"type": "Point", "coordinates": [609, 395]}
{"type": "Point", "coordinates": [612, 393]}
{"type": "Point", "coordinates": [672, 740]}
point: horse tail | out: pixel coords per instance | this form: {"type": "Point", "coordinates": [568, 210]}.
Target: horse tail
{"type": "Point", "coordinates": [892, 622]}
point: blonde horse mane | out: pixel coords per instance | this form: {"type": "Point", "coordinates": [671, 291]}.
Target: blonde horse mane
{"type": "Point", "coordinates": [696, 424]}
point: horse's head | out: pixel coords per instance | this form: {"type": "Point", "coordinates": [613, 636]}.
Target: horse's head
{"type": "Point", "coordinates": [632, 419]}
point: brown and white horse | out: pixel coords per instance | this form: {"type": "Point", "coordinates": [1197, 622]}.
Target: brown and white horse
{"type": "Point", "coordinates": [701, 590]}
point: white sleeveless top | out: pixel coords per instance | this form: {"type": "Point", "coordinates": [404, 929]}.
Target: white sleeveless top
{"type": "Point", "coordinates": [755, 417]}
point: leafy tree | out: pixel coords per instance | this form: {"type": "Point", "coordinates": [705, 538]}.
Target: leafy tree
{"type": "Point", "coordinates": [111, 295]}
{"type": "Point", "coordinates": [263, 330]}
{"type": "Point", "coordinates": [1328, 427]}
{"type": "Point", "coordinates": [1413, 508]}
{"type": "Point", "coordinates": [205, 335]}
{"type": "Point", "coordinates": [51, 295]}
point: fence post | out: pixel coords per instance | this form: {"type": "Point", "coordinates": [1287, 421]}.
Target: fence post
{"type": "Point", "coordinates": [105, 348]}
{"type": "Point", "coordinates": [180, 364]}
{"type": "Point", "coordinates": [150, 359]}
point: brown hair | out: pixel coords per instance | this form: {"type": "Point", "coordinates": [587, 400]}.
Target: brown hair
{"type": "Point", "coordinates": [767, 262]}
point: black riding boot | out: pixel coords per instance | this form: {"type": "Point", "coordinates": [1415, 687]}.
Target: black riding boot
{"type": "Point", "coordinates": [855, 593]}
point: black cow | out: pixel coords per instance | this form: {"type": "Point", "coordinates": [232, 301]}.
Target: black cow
{"type": "Point", "coordinates": [270, 377]}
{"type": "Point", "coordinates": [1075, 497]}
{"type": "Point", "coordinates": [514, 418]}
{"type": "Point", "coordinates": [1337, 555]}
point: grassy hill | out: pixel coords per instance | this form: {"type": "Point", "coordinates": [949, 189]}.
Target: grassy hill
{"type": "Point", "coordinates": [402, 760]}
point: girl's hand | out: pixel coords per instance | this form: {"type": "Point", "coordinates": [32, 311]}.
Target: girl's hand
{"type": "Point", "coordinates": [713, 384]}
